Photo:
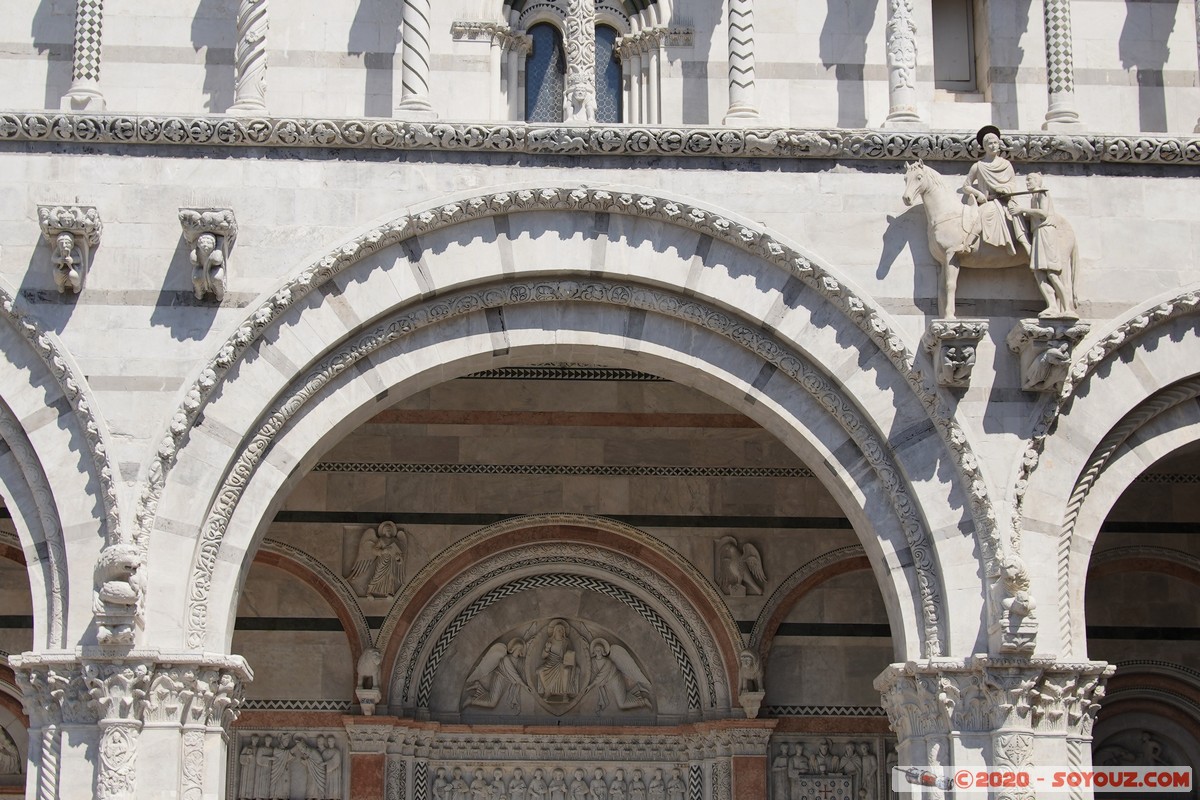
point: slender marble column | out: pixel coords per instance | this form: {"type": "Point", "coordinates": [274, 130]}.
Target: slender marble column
{"type": "Point", "coordinates": [84, 94]}
{"type": "Point", "coordinates": [1060, 69]}
{"type": "Point", "coordinates": [635, 84]}
{"type": "Point", "coordinates": [654, 56]}
{"type": "Point", "coordinates": [742, 108]}
{"type": "Point", "coordinates": [902, 66]}
{"type": "Point", "coordinates": [1197, 129]}
{"type": "Point", "coordinates": [250, 67]}
{"type": "Point", "coordinates": [414, 100]}
{"type": "Point", "coordinates": [496, 54]}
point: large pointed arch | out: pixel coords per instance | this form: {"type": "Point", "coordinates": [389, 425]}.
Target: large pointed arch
{"type": "Point", "coordinates": [613, 277]}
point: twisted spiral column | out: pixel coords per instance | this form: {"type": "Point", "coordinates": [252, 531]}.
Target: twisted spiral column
{"type": "Point", "coordinates": [250, 65]}
{"type": "Point", "coordinates": [47, 786]}
{"type": "Point", "coordinates": [1060, 67]}
{"type": "Point", "coordinates": [84, 94]}
{"type": "Point", "coordinates": [742, 108]}
{"type": "Point", "coordinates": [902, 66]}
{"type": "Point", "coordinates": [414, 99]}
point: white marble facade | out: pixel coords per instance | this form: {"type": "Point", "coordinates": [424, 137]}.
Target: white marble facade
{"type": "Point", "coordinates": [361, 438]}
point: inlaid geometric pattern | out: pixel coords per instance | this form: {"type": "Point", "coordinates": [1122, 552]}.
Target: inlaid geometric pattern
{"type": "Point", "coordinates": [562, 469]}
{"type": "Point", "coordinates": [341, 706]}
{"type": "Point", "coordinates": [559, 580]}
{"type": "Point", "coordinates": [695, 782]}
{"type": "Point", "coordinates": [421, 780]}
{"type": "Point", "coordinates": [1059, 71]}
{"type": "Point", "coordinates": [823, 711]}
{"type": "Point", "coordinates": [88, 20]}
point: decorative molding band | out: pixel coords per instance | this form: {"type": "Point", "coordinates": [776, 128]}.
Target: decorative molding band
{"type": "Point", "coordinates": [564, 372]}
{"type": "Point", "coordinates": [561, 469]}
{"type": "Point", "coordinates": [340, 706]}
{"type": "Point", "coordinates": [743, 235]}
{"type": "Point", "coordinates": [823, 711]}
{"type": "Point", "coordinates": [1169, 478]}
{"type": "Point", "coordinates": [595, 140]}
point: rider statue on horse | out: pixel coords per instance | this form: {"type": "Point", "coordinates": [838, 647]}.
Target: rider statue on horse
{"type": "Point", "coordinates": [987, 227]}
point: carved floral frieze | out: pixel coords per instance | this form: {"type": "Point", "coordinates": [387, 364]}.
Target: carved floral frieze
{"type": "Point", "coordinates": [384, 134]}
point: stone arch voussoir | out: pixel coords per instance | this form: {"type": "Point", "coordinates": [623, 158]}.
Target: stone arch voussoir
{"type": "Point", "coordinates": [774, 265]}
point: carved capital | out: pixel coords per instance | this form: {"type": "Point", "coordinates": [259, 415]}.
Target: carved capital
{"type": "Point", "coordinates": [952, 345]}
{"type": "Point", "coordinates": [73, 233]}
{"type": "Point", "coordinates": [1045, 346]}
{"type": "Point", "coordinates": [196, 694]}
{"type": "Point", "coordinates": [210, 233]}
{"type": "Point", "coordinates": [368, 738]}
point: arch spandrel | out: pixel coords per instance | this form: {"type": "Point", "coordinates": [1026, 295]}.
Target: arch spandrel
{"type": "Point", "coordinates": [361, 263]}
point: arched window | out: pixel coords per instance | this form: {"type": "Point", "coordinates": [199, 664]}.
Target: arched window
{"type": "Point", "coordinates": [608, 76]}
{"type": "Point", "coordinates": [545, 75]}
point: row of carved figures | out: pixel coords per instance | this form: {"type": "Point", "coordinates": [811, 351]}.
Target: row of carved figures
{"type": "Point", "coordinates": [855, 760]}
{"type": "Point", "coordinates": [73, 233]}
{"type": "Point", "coordinates": [558, 783]}
{"type": "Point", "coordinates": [289, 767]}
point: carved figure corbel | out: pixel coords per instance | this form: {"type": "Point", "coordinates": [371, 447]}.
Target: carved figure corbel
{"type": "Point", "coordinates": [1015, 621]}
{"type": "Point", "coordinates": [120, 593]}
{"type": "Point", "coordinates": [367, 686]}
{"type": "Point", "coordinates": [1045, 346]}
{"type": "Point", "coordinates": [73, 233]}
{"type": "Point", "coordinates": [210, 233]}
{"type": "Point", "coordinates": [750, 685]}
{"type": "Point", "coordinates": [952, 345]}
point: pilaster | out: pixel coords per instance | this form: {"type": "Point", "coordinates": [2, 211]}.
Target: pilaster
{"type": "Point", "coordinates": [96, 716]}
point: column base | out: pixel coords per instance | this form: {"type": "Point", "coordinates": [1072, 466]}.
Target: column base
{"type": "Point", "coordinates": [1061, 114]}
{"type": "Point", "coordinates": [417, 109]}
{"type": "Point", "coordinates": [741, 115]}
{"type": "Point", "coordinates": [245, 109]}
{"type": "Point", "coordinates": [905, 119]}
{"type": "Point", "coordinates": [84, 97]}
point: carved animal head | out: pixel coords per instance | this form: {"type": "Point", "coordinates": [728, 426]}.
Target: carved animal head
{"type": "Point", "coordinates": [118, 562]}
{"type": "Point", "coordinates": [914, 181]}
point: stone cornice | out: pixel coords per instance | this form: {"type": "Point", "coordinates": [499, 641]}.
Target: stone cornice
{"type": "Point", "coordinates": [593, 140]}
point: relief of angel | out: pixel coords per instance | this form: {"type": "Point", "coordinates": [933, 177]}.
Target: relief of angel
{"type": "Point", "coordinates": [379, 563]}
{"type": "Point", "coordinates": [499, 674]}
{"type": "Point", "coordinates": [739, 571]}
{"type": "Point", "coordinates": [617, 678]}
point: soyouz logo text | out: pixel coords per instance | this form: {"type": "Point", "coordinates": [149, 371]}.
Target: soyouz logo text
{"type": "Point", "coordinates": [1047, 779]}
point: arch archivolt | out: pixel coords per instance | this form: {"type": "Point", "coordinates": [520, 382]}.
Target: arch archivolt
{"type": "Point", "coordinates": [571, 551]}
{"type": "Point", "coordinates": [739, 283]}
{"type": "Point", "coordinates": [1130, 402]}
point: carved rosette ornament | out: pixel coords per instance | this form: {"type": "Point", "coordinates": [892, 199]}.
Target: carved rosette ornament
{"type": "Point", "coordinates": [952, 345]}
{"type": "Point", "coordinates": [73, 233]}
{"type": "Point", "coordinates": [1045, 346]}
{"type": "Point", "coordinates": [210, 234]}
{"type": "Point", "coordinates": [579, 96]}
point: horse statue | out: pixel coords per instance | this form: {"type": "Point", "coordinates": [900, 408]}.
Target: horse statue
{"type": "Point", "coordinates": [956, 242]}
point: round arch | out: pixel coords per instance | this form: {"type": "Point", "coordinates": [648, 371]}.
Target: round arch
{"type": "Point", "coordinates": [480, 282]}
{"type": "Point", "coordinates": [46, 412]}
{"type": "Point", "coordinates": [577, 552]}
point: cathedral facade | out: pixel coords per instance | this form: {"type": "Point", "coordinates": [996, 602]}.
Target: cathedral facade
{"type": "Point", "coordinates": [596, 399]}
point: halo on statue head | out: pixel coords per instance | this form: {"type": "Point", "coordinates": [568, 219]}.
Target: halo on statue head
{"type": "Point", "coordinates": [984, 131]}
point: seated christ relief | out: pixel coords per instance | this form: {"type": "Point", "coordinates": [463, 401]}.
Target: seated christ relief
{"type": "Point", "coordinates": [558, 665]}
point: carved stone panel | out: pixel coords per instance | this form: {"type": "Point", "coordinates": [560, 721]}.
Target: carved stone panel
{"type": "Point", "coordinates": [738, 568]}
{"type": "Point", "coordinates": [374, 560]}
{"type": "Point", "coordinates": [558, 666]}
{"type": "Point", "coordinates": [952, 345]}
{"type": "Point", "coordinates": [832, 768]}
{"type": "Point", "coordinates": [297, 766]}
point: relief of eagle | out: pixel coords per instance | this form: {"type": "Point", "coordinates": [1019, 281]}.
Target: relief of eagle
{"type": "Point", "coordinates": [739, 571]}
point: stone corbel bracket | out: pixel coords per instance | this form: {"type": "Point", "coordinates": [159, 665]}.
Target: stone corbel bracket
{"type": "Point", "coordinates": [952, 346]}
{"type": "Point", "coordinates": [1045, 346]}
{"type": "Point", "coordinates": [210, 233]}
{"type": "Point", "coordinates": [73, 233]}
